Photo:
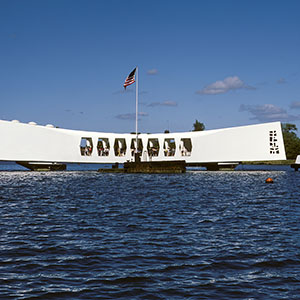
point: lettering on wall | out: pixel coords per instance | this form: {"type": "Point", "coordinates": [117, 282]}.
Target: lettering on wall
{"type": "Point", "coordinates": [274, 148]}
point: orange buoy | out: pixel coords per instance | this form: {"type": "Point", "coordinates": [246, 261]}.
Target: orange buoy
{"type": "Point", "coordinates": [269, 180]}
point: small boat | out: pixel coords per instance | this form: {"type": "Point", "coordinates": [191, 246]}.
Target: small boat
{"type": "Point", "coordinates": [296, 165]}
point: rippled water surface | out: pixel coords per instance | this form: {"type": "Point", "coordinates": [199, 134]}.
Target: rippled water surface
{"type": "Point", "coordinates": [199, 235]}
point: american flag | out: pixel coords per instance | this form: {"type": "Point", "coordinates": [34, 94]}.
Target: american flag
{"type": "Point", "coordinates": [130, 79]}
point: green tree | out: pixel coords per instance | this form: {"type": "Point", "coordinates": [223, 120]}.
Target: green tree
{"type": "Point", "coordinates": [198, 126]}
{"type": "Point", "coordinates": [291, 141]}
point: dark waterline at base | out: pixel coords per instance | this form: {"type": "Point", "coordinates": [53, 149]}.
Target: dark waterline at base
{"type": "Point", "coordinates": [11, 166]}
{"type": "Point", "coordinates": [199, 235]}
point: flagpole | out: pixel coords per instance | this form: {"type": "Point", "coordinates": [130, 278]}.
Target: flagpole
{"type": "Point", "coordinates": [136, 109]}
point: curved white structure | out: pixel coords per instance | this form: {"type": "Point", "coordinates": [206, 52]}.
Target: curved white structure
{"type": "Point", "coordinates": [25, 142]}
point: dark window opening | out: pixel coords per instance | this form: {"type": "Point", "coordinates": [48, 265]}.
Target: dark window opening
{"type": "Point", "coordinates": [103, 147]}
{"type": "Point", "coordinates": [169, 147]}
{"type": "Point", "coordinates": [185, 147]}
{"type": "Point", "coordinates": [133, 146]}
{"type": "Point", "coordinates": [120, 147]}
{"type": "Point", "coordinates": [153, 147]}
{"type": "Point", "coordinates": [86, 146]}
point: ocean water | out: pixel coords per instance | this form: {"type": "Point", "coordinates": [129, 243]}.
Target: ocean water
{"type": "Point", "coordinates": [200, 235]}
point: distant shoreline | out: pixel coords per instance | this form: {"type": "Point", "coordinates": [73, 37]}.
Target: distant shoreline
{"type": "Point", "coordinates": [268, 162]}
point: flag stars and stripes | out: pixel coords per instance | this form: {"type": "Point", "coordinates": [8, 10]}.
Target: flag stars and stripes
{"type": "Point", "coordinates": [130, 79]}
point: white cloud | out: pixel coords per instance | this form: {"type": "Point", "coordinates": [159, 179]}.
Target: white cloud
{"type": "Point", "coordinates": [223, 86]}
{"type": "Point", "coordinates": [165, 103]}
{"type": "Point", "coordinates": [152, 72]}
{"type": "Point", "coordinates": [130, 116]}
{"type": "Point", "coordinates": [268, 113]}
{"type": "Point", "coordinates": [295, 105]}
{"type": "Point", "coordinates": [281, 81]}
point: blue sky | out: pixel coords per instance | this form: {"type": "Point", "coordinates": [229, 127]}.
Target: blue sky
{"type": "Point", "coordinates": [224, 63]}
